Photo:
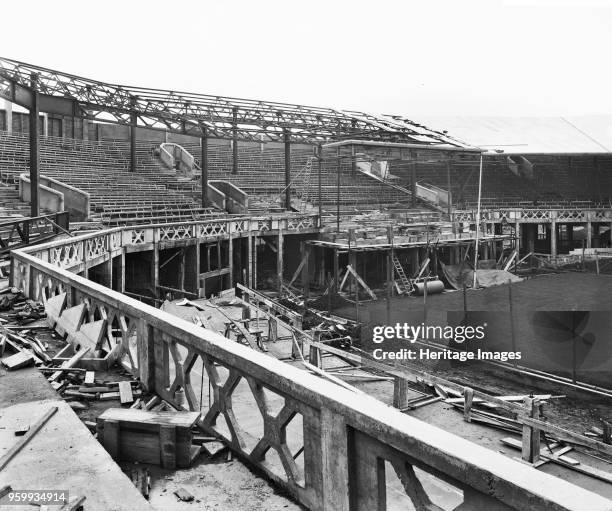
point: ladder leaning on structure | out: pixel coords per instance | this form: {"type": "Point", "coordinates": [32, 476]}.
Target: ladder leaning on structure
{"type": "Point", "coordinates": [403, 284]}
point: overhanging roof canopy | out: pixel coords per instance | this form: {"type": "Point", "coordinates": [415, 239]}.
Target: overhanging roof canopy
{"type": "Point", "coordinates": [195, 114]}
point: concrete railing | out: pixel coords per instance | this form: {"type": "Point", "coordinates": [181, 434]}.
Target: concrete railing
{"type": "Point", "coordinates": [432, 194]}
{"type": "Point", "coordinates": [347, 443]}
{"type": "Point", "coordinates": [536, 215]}
{"type": "Point", "coordinates": [56, 196]}
{"type": "Point", "coordinates": [173, 154]}
{"type": "Point", "coordinates": [236, 200]}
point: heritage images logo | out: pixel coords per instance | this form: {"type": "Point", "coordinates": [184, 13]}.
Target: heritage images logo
{"type": "Point", "coordinates": [411, 333]}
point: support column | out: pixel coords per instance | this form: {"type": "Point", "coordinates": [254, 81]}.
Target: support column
{"type": "Point", "coordinates": [181, 283]}
{"type": "Point", "coordinates": [279, 261]}
{"type": "Point", "coordinates": [320, 164]}
{"type": "Point", "coordinates": [155, 269]}
{"type": "Point", "coordinates": [8, 109]}
{"type": "Point", "coordinates": [336, 271]}
{"type": "Point", "coordinates": [517, 234]}
{"type": "Point", "coordinates": [34, 152]}
{"type": "Point", "coordinates": [589, 234]}
{"type": "Point", "coordinates": [553, 237]}
{"type": "Point", "coordinates": [449, 164]}
{"type": "Point", "coordinates": [255, 242]}
{"type": "Point", "coordinates": [306, 250]}
{"type": "Point", "coordinates": [230, 259]}
{"type": "Point", "coordinates": [250, 261]}
{"type": "Point", "coordinates": [204, 167]}
{"type": "Point", "coordinates": [413, 189]}
{"type": "Point", "coordinates": [287, 170]}
{"type": "Point", "coordinates": [133, 122]}
{"type": "Point", "coordinates": [197, 268]}
{"type": "Point", "coordinates": [45, 120]}
{"type": "Point", "coordinates": [338, 190]}
{"type": "Point", "coordinates": [235, 141]}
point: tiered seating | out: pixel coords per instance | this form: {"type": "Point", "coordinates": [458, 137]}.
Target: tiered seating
{"type": "Point", "coordinates": [101, 169]}
{"type": "Point", "coordinates": [261, 174]}
{"type": "Point", "coordinates": [555, 183]}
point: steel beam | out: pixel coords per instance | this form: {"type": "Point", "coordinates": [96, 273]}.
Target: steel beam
{"type": "Point", "coordinates": [204, 168]}
{"type": "Point", "coordinates": [234, 141]}
{"type": "Point", "coordinates": [34, 152]}
{"type": "Point", "coordinates": [224, 117]}
{"type": "Point", "coordinates": [287, 140]}
{"type": "Point", "coordinates": [133, 124]}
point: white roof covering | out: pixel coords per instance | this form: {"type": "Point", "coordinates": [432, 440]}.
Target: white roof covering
{"type": "Point", "coordinates": [529, 135]}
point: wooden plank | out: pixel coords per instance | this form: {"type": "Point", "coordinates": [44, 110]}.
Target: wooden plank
{"type": "Point", "coordinates": [361, 282]}
{"type": "Point", "coordinates": [18, 361]}
{"type": "Point", "coordinates": [21, 443]}
{"type": "Point", "coordinates": [143, 417]}
{"type": "Point", "coordinates": [125, 392]}
{"type": "Point", "coordinates": [565, 461]}
{"type": "Point", "coordinates": [299, 269]}
{"type": "Point", "coordinates": [69, 363]}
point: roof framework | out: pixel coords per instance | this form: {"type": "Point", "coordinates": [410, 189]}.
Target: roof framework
{"type": "Point", "coordinates": [202, 114]}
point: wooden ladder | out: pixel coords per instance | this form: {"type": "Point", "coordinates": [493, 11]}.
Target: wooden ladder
{"type": "Point", "coordinates": [403, 280]}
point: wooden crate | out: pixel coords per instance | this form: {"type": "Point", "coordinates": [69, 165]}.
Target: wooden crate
{"type": "Point", "coordinates": [159, 438]}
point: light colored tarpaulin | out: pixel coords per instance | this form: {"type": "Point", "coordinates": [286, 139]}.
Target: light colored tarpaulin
{"type": "Point", "coordinates": [458, 275]}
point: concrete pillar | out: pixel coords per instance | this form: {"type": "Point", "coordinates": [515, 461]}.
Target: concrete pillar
{"type": "Point", "coordinates": [553, 238]}
{"type": "Point", "coordinates": [34, 152]}
{"type": "Point", "coordinates": [589, 234]}
{"type": "Point", "coordinates": [45, 121]}
{"type": "Point", "coordinates": [8, 109]}
{"type": "Point", "coordinates": [517, 233]}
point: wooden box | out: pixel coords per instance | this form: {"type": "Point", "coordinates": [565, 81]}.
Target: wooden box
{"type": "Point", "coordinates": [159, 438]}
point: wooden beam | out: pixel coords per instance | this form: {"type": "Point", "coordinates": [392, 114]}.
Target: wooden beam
{"type": "Point", "coordinates": [361, 281]}
{"type": "Point", "coordinates": [21, 443]}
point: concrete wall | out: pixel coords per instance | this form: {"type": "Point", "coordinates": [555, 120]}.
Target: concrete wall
{"type": "Point", "coordinates": [49, 199]}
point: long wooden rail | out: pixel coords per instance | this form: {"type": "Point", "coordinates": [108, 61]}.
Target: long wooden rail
{"type": "Point", "coordinates": [348, 443]}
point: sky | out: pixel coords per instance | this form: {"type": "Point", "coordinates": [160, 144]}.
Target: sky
{"type": "Point", "coordinates": [412, 58]}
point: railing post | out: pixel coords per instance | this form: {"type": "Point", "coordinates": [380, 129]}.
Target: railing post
{"type": "Point", "coordinates": [400, 392]}
{"type": "Point", "coordinates": [145, 337]}
{"type": "Point", "coordinates": [334, 462]}
{"type": "Point", "coordinates": [531, 435]}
